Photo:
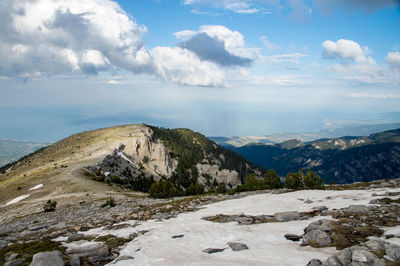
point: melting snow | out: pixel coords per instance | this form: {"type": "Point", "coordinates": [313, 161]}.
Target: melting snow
{"type": "Point", "coordinates": [36, 187]}
{"type": "Point", "coordinates": [266, 242]}
{"type": "Point", "coordinates": [17, 199]}
{"type": "Point", "coordinates": [123, 156]}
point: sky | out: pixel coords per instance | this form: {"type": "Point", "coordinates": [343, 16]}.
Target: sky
{"type": "Point", "coordinates": [220, 67]}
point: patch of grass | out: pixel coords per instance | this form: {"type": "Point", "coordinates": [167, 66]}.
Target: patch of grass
{"type": "Point", "coordinates": [109, 202]}
{"type": "Point", "coordinates": [112, 241]}
{"type": "Point", "coordinates": [88, 238]}
{"type": "Point", "coordinates": [27, 250]}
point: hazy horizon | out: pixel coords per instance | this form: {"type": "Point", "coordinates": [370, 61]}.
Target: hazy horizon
{"type": "Point", "coordinates": [222, 68]}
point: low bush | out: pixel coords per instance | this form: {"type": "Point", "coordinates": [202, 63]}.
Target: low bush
{"type": "Point", "coordinates": [195, 189]}
{"type": "Point", "coordinates": [299, 180]}
{"type": "Point", "coordinates": [50, 206]}
{"type": "Point", "coordinates": [163, 189]}
{"type": "Point", "coordinates": [109, 202]}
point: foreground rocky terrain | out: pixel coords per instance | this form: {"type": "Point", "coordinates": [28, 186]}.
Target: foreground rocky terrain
{"type": "Point", "coordinates": [357, 224]}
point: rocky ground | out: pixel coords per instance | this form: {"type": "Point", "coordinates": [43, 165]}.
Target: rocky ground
{"type": "Point", "coordinates": [334, 227]}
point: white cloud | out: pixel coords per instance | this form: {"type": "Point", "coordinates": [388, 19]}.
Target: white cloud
{"type": "Point", "coordinates": [53, 37]}
{"type": "Point", "coordinates": [289, 58]}
{"type": "Point", "coordinates": [375, 96]}
{"type": "Point", "coordinates": [238, 6]}
{"type": "Point", "coordinates": [346, 49]}
{"type": "Point", "coordinates": [182, 66]}
{"type": "Point", "coordinates": [393, 60]}
{"type": "Point", "coordinates": [269, 45]}
{"type": "Point", "coordinates": [218, 44]}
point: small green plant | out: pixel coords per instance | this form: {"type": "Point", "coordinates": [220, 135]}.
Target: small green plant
{"type": "Point", "coordinates": [50, 206]}
{"type": "Point", "coordinates": [109, 202]}
{"type": "Point", "coordinates": [146, 159]}
{"type": "Point", "coordinates": [221, 188]}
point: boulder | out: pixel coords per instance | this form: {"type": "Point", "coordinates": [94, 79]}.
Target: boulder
{"type": "Point", "coordinates": [393, 251]}
{"type": "Point", "coordinates": [237, 246]}
{"type": "Point", "coordinates": [376, 244]}
{"type": "Point", "coordinates": [357, 208]}
{"type": "Point", "coordinates": [317, 236]}
{"type": "Point", "coordinates": [53, 258]}
{"type": "Point", "coordinates": [245, 220]}
{"type": "Point", "coordinates": [287, 216]}
{"type": "Point", "coordinates": [332, 261]}
{"type": "Point", "coordinates": [323, 225]}
{"type": "Point", "coordinates": [124, 257]}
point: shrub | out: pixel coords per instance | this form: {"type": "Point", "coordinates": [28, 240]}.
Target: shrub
{"type": "Point", "coordinates": [221, 188]}
{"type": "Point", "coordinates": [299, 180]}
{"type": "Point", "coordinates": [109, 202]}
{"type": "Point", "coordinates": [195, 189]}
{"type": "Point", "coordinates": [272, 179]}
{"type": "Point", "coordinates": [50, 206]}
{"type": "Point", "coordinates": [163, 189]}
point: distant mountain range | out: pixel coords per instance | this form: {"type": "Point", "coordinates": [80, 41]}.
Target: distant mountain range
{"type": "Point", "coordinates": [340, 160]}
{"type": "Point", "coordinates": [332, 132]}
{"type": "Point", "coordinates": [12, 150]}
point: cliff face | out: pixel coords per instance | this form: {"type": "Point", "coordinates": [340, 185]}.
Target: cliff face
{"type": "Point", "coordinates": [150, 153]}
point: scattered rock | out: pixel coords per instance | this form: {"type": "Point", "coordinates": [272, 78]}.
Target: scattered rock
{"type": "Point", "coordinates": [332, 261]}
{"type": "Point", "coordinates": [125, 257]}
{"type": "Point", "coordinates": [393, 251]}
{"type": "Point", "coordinates": [317, 237]}
{"type": "Point", "coordinates": [237, 246]}
{"type": "Point", "coordinates": [357, 208]}
{"type": "Point", "coordinates": [11, 257]}
{"type": "Point", "coordinates": [213, 250]}
{"type": "Point", "coordinates": [75, 261]}
{"type": "Point", "coordinates": [287, 216]}
{"type": "Point", "coordinates": [374, 201]}
{"type": "Point", "coordinates": [314, 262]}
{"type": "Point", "coordinates": [177, 236]}
{"type": "Point", "coordinates": [292, 237]}
{"type": "Point", "coordinates": [323, 225]}
{"type": "Point", "coordinates": [308, 201]}
{"type": "Point", "coordinates": [53, 258]}
{"type": "Point", "coordinates": [245, 220]}
{"type": "Point", "coordinates": [15, 262]}
{"type": "Point", "coordinates": [38, 227]}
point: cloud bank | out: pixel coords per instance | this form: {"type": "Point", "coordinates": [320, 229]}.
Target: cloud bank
{"type": "Point", "coordinates": [53, 37]}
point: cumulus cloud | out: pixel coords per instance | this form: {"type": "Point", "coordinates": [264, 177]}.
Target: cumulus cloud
{"type": "Point", "coordinates": [52, 37]}
{"type": "Point", "coordinates": [393, 60]}
{"type": "Point", "coordinates": [346, 49]}
{"type": "Point", "coordinates": [180, 65]}
{"type": "Point", "coordinates": [218, 44]}
{"type": "Point", "coordinates": [56, 37]}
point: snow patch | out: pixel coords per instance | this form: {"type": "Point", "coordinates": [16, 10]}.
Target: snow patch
{"type": "Point", "coordinates": [17, 199]}
{"type": "Point", "coordinates": [123, 156]}
{"type": "Point", "coordinates": [36, 187]}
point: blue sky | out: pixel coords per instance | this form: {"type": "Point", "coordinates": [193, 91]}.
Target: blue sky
{"type": "Point", "coordinates": [221, 67]}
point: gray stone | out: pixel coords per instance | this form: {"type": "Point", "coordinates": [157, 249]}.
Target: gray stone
{"type": "Point", "coordinates": [292, 237]}
{"type": "Point", "coordinates": [125, 257]}
{"type": "Point", "coordinates": [15, 262]}
{"type": "Point", "coordinates": [237, 246]}
{"type": "Point", "coordinates": [38, 227]}
{"type": "Point", "coordinates": [213, 250]}
{"type": "Point", "coordinates": [3, 244]}
{"type": "Point", "coordinates": [85, 248]}
{"type": "Point", "coordinates": [53, 258]}
{"type": "Point", "coordinates": [357, 208]}
{"type": "Point", "coordinates": [74, 237]}
{"type": "Point", "coordinates": [245, 220]}
{"type": "Point", "coordinates": [317, 236]}
{"type": "Point", "coordinates": [308, 201]}
{"type": "Point", "coordinates": [376, 244]}
{"type": "Point", "coordinates": [344, 256]}
{"type": "Point", "coordinates": [374, 201]}
{"type": "Point", "coordinates": [177, 236]}
{"type": "Point", "coordinates": [75, 261]}
{"type": "Point", "coordinates": [323, 225]}
{"type": "Point", "coordinates": [12, 257]}
{"type": "Point", "coordinates": [332, 261]}
{"type": "Point", "coordinates": [393, 251]}
{"type": "Point", "coordinates": [287, 216]}
{"type": "Point", "coordinates": [314, 262]}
